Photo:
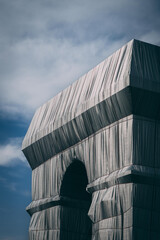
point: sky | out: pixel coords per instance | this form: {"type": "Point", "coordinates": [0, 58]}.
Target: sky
{"type": "Point", "coordinates": [45, 45]}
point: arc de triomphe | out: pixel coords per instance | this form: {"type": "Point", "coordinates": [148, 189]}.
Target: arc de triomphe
{"type": "Point", "coordinates": [94, 150]}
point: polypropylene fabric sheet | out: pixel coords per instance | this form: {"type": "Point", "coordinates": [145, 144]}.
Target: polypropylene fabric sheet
{"type": "Point", "coordinates": [109, 120]}
{"type": "Point", "coordinates": [135, 64]}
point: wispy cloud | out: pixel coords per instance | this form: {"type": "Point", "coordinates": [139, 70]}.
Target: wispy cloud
{"type": "Point", "coordinates": [47, 45]}
{"type": "Point", "coordinates": [13, 186]}
{"type": "Point", "coordinates": [10, 153]}
{"type": "Point", "coordinates": [58, 64]}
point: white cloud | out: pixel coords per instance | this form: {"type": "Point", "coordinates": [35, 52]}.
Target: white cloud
{"type": "Point", "coordinates": [45, 46]}
{"type": "Point", "coordinates": [56, 64]}
{"type": "Point", "coordinates": [11, 154]}
{"type": "Point", "coordinates": [152, 37]}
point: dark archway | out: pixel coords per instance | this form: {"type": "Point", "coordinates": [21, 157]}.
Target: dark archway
{"type": "Point", "coordinates": [75, 203]}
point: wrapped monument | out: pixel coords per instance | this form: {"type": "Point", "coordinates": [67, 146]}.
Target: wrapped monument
{"type": "Point", "coordinates": [94, 150]}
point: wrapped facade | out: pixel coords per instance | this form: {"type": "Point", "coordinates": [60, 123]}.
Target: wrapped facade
{"type": "Point", "coordinates": [101, 134]}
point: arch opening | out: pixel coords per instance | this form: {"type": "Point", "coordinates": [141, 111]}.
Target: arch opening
{"type": "Point", "coordinates": [75, 223]}
{"type": "Point", "coordinates": [75, 182]}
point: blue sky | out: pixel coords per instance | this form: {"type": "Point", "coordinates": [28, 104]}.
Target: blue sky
{"type": "Point", "coordinates": [44, 47]}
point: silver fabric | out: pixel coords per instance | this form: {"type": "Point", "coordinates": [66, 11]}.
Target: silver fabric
{"type": "Point", "coordinates": [110, 121]}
